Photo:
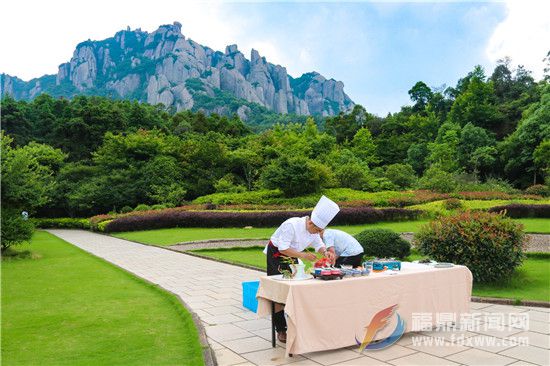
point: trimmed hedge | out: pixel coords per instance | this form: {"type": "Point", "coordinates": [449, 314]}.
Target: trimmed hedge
{"type": "Point", "coordinates": [61, 223]}
{"type": "Point", "coordinates": [178, 218]}
{"type": "Point", "coordinates": [517, 210]}
{"type": "Point", "coordinates": [383, 243]}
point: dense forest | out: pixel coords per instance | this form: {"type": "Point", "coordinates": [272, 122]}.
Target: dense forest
{"type": "Point", "coordinates": [91, 155]}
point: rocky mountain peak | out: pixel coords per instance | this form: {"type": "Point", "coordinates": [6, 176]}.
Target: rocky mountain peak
{"type": "Point", "coordinates": [165, 67]}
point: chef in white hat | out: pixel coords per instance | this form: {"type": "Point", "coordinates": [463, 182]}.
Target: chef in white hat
{"type": "Point", "coordinates": [291, 238]}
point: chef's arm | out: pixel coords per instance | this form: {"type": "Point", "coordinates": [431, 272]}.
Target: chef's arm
{"type": "Point", "coordinates": [296, 254]}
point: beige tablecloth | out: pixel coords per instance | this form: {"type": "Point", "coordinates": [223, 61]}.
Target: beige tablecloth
{"type": "Point", "coordinates": [323, 315]}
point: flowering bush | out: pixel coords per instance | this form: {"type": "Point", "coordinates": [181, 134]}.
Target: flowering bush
{"type": "Point", "coordinates": [489, 244]}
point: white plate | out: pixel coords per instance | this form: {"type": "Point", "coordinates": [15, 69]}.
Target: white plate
{"type": "Point", "coordinates": [280, 278]}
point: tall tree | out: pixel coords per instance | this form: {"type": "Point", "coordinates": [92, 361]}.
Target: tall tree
{"type": "Point", "coordinates": [517, 150]}
{"type": "Point", "coordinates": [421, 94]}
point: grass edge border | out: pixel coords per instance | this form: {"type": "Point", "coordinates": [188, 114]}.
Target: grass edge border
{"type": "Point", "coordinates": [208, 354]}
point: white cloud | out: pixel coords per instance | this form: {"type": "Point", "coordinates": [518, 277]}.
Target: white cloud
{"type": "Point", "coordinates": [524, 35]}
{"type": "Point", "coordinates": [36, 35]}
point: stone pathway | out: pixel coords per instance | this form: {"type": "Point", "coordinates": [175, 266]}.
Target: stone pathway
{"type": "Point", "coordinates": [213, 291]}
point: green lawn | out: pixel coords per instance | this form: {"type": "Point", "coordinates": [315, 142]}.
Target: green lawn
{"type": "Point", "coordinates": [530, 282]}
{"type": "Point", "coordinates": [179, 235]}
{"type": "Point", "coordinates": [66, 307]}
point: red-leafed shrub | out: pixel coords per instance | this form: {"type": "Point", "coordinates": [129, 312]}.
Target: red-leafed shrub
{"type": "Point", "coordinates": [356, 203]}
{"type": "Point", "coordinates": [97, 219]}
{"type": "Point", "coordinates": [489, 195]}
{"type": "Point", "coordinates": [489, 244]}
{"type": "Point", "coordinates": [417, 198]}
{"type": "Point", "coordinates": [518, 210]}
{"type": "Point", "coordinates": [147, 220]}
{"type": "Point", "coordinates": [495, 195]}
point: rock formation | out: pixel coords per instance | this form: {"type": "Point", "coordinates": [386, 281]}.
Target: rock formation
{"type": "Point", "coordinates": [165, 67]}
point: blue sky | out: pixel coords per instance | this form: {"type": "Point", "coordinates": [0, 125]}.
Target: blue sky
{"type": "Point", "coordinates": [378, 49]}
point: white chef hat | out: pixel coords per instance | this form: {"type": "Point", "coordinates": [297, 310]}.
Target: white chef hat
{"type": "Point", "coordinates": [324, 212]}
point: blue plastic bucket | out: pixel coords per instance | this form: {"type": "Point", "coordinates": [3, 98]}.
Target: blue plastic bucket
{"type": "Point", "coordinates": [249, 295]}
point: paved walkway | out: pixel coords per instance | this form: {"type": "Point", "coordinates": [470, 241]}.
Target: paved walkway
{"type": "Point", "coordinates": [213, 291]}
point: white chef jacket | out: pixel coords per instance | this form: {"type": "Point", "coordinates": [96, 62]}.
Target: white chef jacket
{"type": "Point", "coordinates": [293, 234]}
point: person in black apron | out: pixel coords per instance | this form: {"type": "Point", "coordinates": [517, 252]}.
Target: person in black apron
{"type": "Point", "coordinates": [289, 241]}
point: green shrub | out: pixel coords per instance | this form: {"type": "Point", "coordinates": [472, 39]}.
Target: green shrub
{"type": "Point", "coordinates": [378, 184]}
{"type": "Point", "coordinates": [259, 197]}
{"type": "Point", "coordinates": [436, 179]}
{"type": "Point", "coordinates": [489, 244]}
{"type": "Point", "coordinates": [15, 230]}
{"type": "Point", "coordinates": [539, 190]}
{"type": "Point", "coordinates": [470, 183]}
{"type": "Point", "coordinates": [101, 226]}
{"type": "Point", "coordinates": [126, 209]}
{"type": "Point", "coordinates": [453, 204]}
{"type": "Point", "coordinates": [351, 175]}
{"type": "Point", "coordinates": [383, 243]}
{"type": "Point", "coordinates": [158, 207]}
{"type": "Point", "coordinates": [226, 184]}
{"type": "Point", "coordinates": [62, 223]}
{"type": "Point", "coordinates": [142, 207]}
{"type": "Point", "coordinates": [296, 176]}
{"type": "Point", "coordinates": [402, 175]}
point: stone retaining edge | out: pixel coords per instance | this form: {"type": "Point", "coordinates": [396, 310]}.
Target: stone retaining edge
{"type": "Point", "coordinates": [504, 301]}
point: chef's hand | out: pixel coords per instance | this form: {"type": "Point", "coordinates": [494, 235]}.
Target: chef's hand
{"type": "Point", "coordinates": [330, 255]}
{"type": "Point", "coordinates": [309, 256]}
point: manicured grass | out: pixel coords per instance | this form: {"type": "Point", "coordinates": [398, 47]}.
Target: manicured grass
{"type": "Point", "coordinates": [535, 225]}
{"type": "Point", "coordinates": [66, 307]}
{"type": "Point", "coordinates": [251, 256]}
{"type": "Point", "coordinates": [179, 235]}
{"type": "Point", "coordinates": [530, 282]}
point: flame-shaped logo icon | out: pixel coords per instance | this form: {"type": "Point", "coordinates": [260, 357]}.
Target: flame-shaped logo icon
{"type": "Point", "coordinates": [378, 322]}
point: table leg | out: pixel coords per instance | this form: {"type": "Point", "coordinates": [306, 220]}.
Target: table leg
{"type": "Point", "coordinates": [273, 343]}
